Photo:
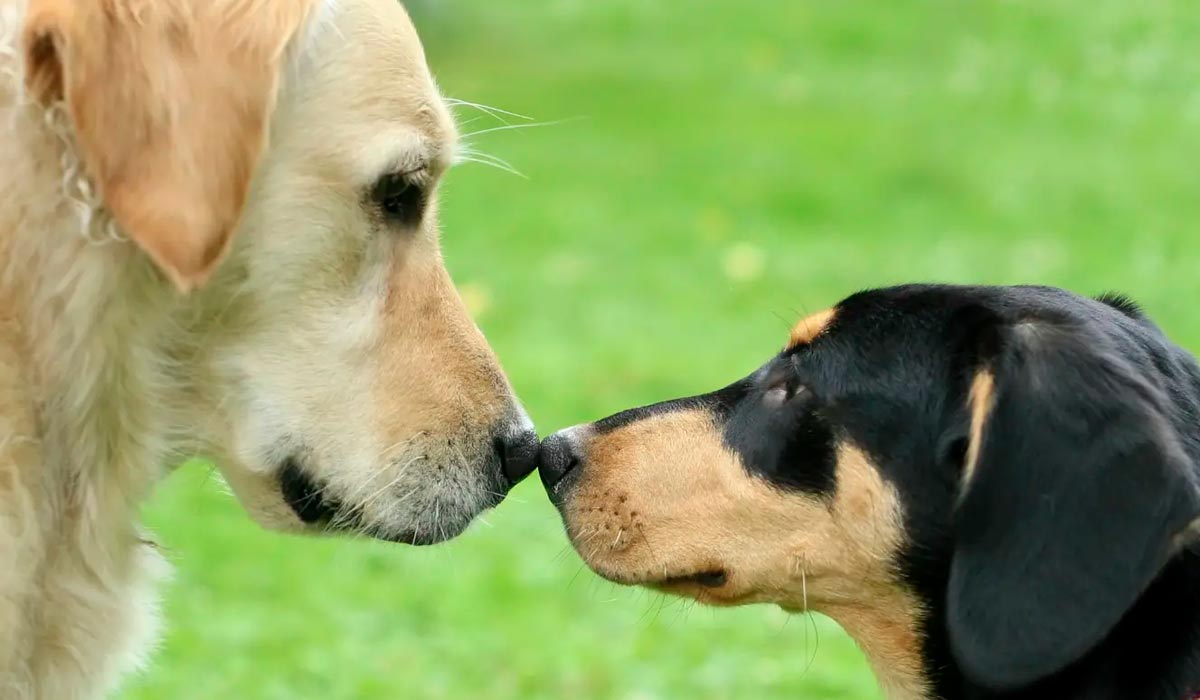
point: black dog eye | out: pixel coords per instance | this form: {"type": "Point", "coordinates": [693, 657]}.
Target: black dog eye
{"type": "Point", "coordinates": [782, 393]}
{"type": "Point", "coordinates": [399, 199]}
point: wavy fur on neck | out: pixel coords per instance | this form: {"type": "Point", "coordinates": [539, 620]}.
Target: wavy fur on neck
{"type": "Point", "coordinates": [313, 332]}
{"type": "Point", "coordinates": [82, 427]}
{"type": "Point", "coordinates": [90, 409]}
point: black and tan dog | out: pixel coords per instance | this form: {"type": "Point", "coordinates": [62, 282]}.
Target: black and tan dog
{"type": "Point", "coordinates": [994, 490]}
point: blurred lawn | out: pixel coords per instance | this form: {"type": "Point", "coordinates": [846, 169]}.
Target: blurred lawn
{"type": "Point", "coordinates": [720, 167]}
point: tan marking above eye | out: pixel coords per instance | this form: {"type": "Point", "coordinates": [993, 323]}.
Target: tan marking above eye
{"type": "Point", "coordinates": [980, 399]}
{"type": "Point", "coordinates": [810, 327]}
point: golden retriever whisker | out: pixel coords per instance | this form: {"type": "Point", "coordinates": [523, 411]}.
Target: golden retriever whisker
{"type": "Point", "coordinates": [385, 465]}
{"type": "Point", "coordinates": [400, 474]}
{"type": "Point", "coordinates": [468, 156]}
{"type": "Point", "coordinates": [494, 112]}
{"type": "Point", "coordinates": [515, 127]}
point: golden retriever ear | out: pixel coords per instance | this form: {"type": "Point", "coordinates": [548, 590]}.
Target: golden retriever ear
{"type": "Point", "coordinates": [170, 101]}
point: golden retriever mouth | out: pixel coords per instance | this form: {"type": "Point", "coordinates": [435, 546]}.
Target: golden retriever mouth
{"type": "Point", "coordinates": [319, 510]}
{"type": "Point", "coordinates": [305, 497]}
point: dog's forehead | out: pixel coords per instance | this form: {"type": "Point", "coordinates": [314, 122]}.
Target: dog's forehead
{"type": "Point", "coordinates": [886, 318]}
{"type": "Point", "coordinates": [362, 82]}
{"type": "Point", "coordinates": [913, 325]}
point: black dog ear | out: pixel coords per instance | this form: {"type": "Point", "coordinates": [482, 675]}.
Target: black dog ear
{"type": "Point", "coordinates": [1075, 489]}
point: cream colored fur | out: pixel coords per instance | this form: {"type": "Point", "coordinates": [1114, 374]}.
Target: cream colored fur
{"type": "Point", "coordinates": [326, 336]}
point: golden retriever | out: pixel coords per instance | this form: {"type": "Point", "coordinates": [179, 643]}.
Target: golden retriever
{"type": "Point", "coordinates": [218, 237]}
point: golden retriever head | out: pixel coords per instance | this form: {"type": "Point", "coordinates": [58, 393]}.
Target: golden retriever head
{"type": "Point", "coordinates": [991, 488]}
{"type": "Point", "coordinates": [276, 164]}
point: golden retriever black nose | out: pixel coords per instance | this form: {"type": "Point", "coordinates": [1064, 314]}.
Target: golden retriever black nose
{"type": "Point", "coordinates": [518, 454]}
{"type": "Point", "coordinates": [560, 454]}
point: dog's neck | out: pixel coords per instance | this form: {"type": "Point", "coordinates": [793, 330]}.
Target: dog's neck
{"type": "Point", "coordinates": [84, 417]}
{"type": "Point", "coordinates": [888, 633]}
{"type": "Point", "coordinates": [88, 316]}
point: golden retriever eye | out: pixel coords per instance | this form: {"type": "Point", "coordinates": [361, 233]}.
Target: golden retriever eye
{"type": "Point", "coordinates": [399, 199]}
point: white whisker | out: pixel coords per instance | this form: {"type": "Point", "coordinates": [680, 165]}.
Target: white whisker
{"type": "Point", "coordinates": [812, 620]}
{"type": "Point", "coordinates": [487, 158]}
{"type": "Point", "coordinates": [513, 127]}
{"type": "Point", "coordinates": [399, 475]}
{"type": "Point", "coordinates": [495, 112]}
{"type": "Point", "coordinates": [385, 464]}
{"type": "Point", "coordinates": [470, 155]}
{"type": "Point", "coordinates": [405, 497]}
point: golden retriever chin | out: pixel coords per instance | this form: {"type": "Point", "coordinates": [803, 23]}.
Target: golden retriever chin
{"type": "Point", "coordinates": [218, 237]}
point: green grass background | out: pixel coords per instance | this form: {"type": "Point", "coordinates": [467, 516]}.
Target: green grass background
{"type": "Point", "coordinates": [719, 168]}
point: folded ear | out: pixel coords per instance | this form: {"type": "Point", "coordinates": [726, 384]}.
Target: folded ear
{"type": "Point", "coordinates": [1075, 490]}
{"type": "Point", "coordinates": [170, 102]}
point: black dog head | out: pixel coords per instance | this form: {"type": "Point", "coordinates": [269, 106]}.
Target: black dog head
{"type": "Point", "coordinates": [978, 483]}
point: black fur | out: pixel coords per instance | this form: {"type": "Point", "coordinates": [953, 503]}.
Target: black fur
{"type": "Point", "coordinates": [792, 446]}
{"type": "Point", "coordinates": [1091, 484]}
{"type": "Point", "coordinates": [1065, 567]}
{"type": "Point", "coordinates": [1121, 303]}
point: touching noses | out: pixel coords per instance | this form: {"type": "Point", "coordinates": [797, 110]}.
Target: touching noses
{"type": "Point", "coordinates": [560, 454]}
{"type": "Point", "coordinates": [517, 449]}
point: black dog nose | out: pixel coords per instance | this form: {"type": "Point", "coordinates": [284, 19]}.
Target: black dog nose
{"type": "Point", "coordinates": [518, 452]}
{"type": "Point", "coordinates": [559, 455]}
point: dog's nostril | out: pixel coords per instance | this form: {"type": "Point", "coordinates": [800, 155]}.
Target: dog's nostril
{"type": "Point", "coordinates": [518, 455]}
{"type": "Point", "coordinates": [559, 456]}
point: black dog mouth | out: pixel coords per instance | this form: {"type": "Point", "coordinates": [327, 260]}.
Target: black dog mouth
{"type": "Point", "coordinates": [714, 578]}
{"type": "Point", "coordinates": [710, 579]}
